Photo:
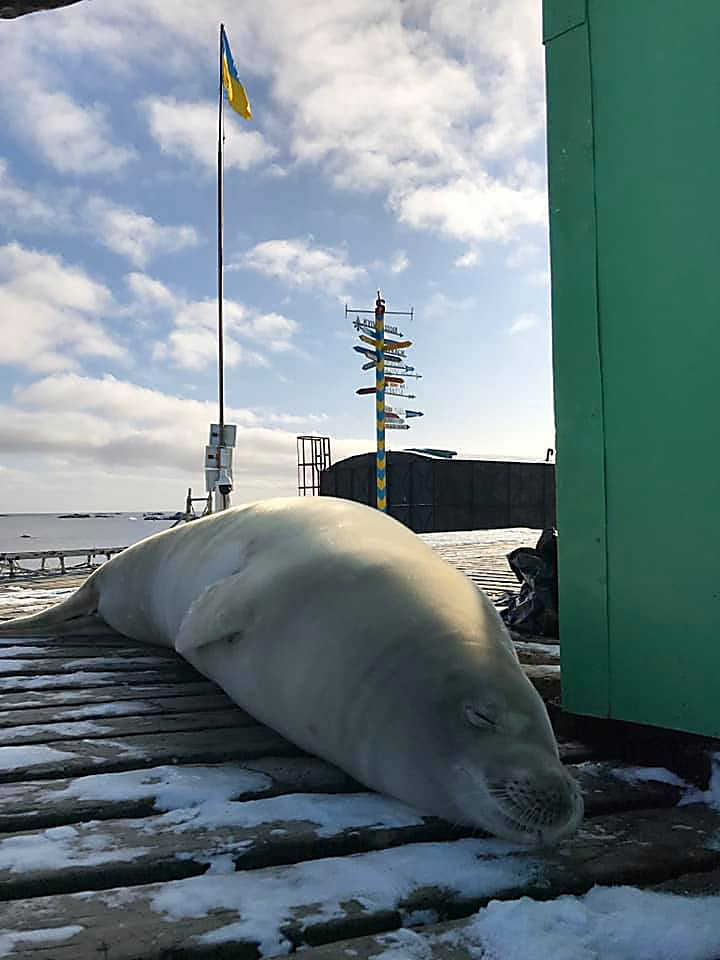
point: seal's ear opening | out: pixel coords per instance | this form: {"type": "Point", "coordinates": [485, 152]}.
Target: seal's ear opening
{"type": "Point", "coordinates": [481, 715]}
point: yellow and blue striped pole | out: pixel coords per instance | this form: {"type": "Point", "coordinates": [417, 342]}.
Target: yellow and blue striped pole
{"type": "Point", "coordinates": [380, 402]}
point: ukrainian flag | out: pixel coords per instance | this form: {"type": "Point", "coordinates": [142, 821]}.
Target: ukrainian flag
{"type": "Point", "coordinates": [237, 98]}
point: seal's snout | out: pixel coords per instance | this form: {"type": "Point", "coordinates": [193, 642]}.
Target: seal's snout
{"type": "Point", "coordinates": [541, 808]}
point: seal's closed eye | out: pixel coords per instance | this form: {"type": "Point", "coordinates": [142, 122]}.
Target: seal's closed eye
{"type": "Point", "coordinates": [480, 717]}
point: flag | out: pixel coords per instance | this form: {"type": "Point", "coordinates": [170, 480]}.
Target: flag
{"type": "Point", "coordinates": [237, 98]}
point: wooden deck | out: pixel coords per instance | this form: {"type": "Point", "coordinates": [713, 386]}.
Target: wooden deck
{"type": "Point", "coordinates": [144, 815]}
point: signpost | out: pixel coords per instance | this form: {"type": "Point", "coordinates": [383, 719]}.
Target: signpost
{"type": "Point", "coordinates": [381, 351]}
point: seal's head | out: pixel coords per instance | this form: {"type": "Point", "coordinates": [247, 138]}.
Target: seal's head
{"type": "Point", "coordinates": [479, 750]}
{"type": "Point", "coordinates": [502, 765]}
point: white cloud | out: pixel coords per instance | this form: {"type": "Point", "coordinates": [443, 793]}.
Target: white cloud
{"type": "Point", "coordinates": [133, 447]}
{"type": "Point", "coordinates": [126, 232]}
{"type": "Point", "coordinates": [436, 103]}
{"type": "Point", "coordinates": [51, 312]}
{"type": "Point", "coordinates": [22, 207]}
{"type": "Point", "coordinates": [299, 263]}
{"type": "Point", "coordinates": [135, 235]}
{"type": "Point", "coordinates": [248, 334]}
{"type": "Point", "coordinates": [399, 262]}
{"type": "Point", "coordinates": [468, 259]}
{"type": "Point", "coordinates": [526, 321]}
{"type": "Point", "coordinates": [148, 293]}
{"type": "Point", "coordinates": [72, 137]}
{"type": "Point", "coordinates": [478, 208]}
{"type": "Point", "coordinates": [189, 131]}
{"type": "Point", "coordinates": [442, 307]}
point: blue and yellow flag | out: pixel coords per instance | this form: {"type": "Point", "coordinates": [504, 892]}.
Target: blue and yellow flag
{"type": "Point", "coordinates": [237, 98]}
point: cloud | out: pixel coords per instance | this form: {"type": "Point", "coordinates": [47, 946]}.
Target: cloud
{"type": "Point", "coordinates": [468, 259]}
{"type": "Point", "coordinates": [51, 312]}
{"type": "Point", "coordinates": [442, 307]}
{"type": "Point", "coordinates": [481, 208]}
{"type": "Point", "coordinates": [192, 343]}
{"type": "Point", "coordinates": [149, 294]}
{"type": "Point", "coordinates": [22, 207]}
{"type": "Point", "coordinates": [435, 103]}
{"type": "Point", "coordinates": [121, 229]}
{"type": "Point", "coordinates": [524, 322]}
{"type": "Point", "coordinates": [400, 262]}
{"type": "Point", "coordinates": [189, 131]}
{"type": "Point", "coordinates": [72, 137]}
{"type": "Point", "coordinates": [135, 235]}
{"type": "Point", "coordinates": [298, 263]}
{"type": "Point", "coordinates": [131, 446]}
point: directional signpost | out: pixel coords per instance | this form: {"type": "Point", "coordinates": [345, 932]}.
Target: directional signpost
{"type": "Point", "coordinates": [379, 352]}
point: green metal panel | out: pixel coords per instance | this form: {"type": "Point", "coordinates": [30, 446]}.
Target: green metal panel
{"type": "Point", "coordinates": [580, 469]}
{"type": "Point", "coordinates": [655, 74]}
{"type": "Point", "coordinates": [560, 16]}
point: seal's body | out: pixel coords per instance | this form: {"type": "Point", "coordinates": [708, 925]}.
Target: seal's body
{"type": "Point", "coordinates": [339, 628]}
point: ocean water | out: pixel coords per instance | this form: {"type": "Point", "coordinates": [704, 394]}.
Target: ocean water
{"type": "Point", "coordinates": [52, 531]}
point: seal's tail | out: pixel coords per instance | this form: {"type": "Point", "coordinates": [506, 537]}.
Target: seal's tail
{"type": "Point", "coordinates": [77, 614]}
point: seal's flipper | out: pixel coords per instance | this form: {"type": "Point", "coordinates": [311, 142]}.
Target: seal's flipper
{"type": "Point", "coordinates": [78, 614]}
{"type": "Point", "coordinates": [221, 612]}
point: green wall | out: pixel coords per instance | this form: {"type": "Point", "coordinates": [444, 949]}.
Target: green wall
{"type": "Point", "coordinates": [634, 180]}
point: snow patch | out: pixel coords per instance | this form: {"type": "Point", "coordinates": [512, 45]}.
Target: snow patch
{"type": "Point", "coordinates": [172, 787]}
{"type": "Point", "coordinates": [265, 900]}
{"type": "Point", "coordinates": [29, 756]}
{"type": "Point", "coordinates": [644, 774]}
{"type": "Point", "coordinates": [330, 814]}
{"type": "Point", "coordinates": [622, 923]}
{"type": "Point", "coordinates": [10, 938]}
{"type": "Point", "coordinates": [58, 848]}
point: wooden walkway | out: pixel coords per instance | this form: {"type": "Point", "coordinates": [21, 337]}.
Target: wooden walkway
{"type": "Point", "coordinates": [145, 816]}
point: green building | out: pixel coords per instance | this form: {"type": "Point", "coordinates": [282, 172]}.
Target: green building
{"type": "Point", "coordinates": [633, 90]}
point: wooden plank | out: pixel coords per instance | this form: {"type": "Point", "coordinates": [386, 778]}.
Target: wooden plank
{"type": "Point", "coordinates": [77, 758]}
{"type": "Point", "coordinates": [537, 653]}
{"type": "Point", "coordinates": [123, 726]}
{"type": "Point", "coordinates": [329, 899]}
{"type": "Point", "coordinates": [252, 834]}
{"type": "Point", "coordinates": [122, 708]}
{"type": "Point", "coordinates": [110, 693]}
{"type": "Point", "coordinates": [99, 648]}
{"type": "Point", "coordinates": [59, 666]}
{"type": "Point", "coordinates": [545, 678]}
{"type": "Point", "coordinates": [55, 645]}
{"type": "Point", "coordinates": [84, 679]}
{"type": "Point", "coordinates": [56, 802]}
{"type": "Point", "coordinates": [141, 793]}
{"type": "Point", "coordinates": [456, 940]}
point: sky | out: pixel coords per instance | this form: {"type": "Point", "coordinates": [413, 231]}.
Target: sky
{"type": "Point", "coordinates": [394, 145]}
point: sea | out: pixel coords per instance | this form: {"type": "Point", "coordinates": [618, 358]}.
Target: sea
{"type": "Point", "coordinates": [67, 531]}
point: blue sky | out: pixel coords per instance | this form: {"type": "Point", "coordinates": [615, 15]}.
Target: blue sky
{"type": "Point", "coordinates": [394, 145]}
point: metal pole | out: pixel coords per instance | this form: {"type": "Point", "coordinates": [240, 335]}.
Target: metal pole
{"type": "Point", "coordinates": [221, 397]}
{"type": "Point", "coordinates": [221, 497]}
{"type": "Point", "coordinates": [380, 403]}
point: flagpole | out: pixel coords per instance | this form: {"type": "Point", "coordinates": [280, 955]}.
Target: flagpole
{"type": "Point", "coordinates": [221, 392]}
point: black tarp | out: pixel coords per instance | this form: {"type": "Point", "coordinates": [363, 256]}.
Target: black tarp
{"type": "Point", "coordinates": [534, 610]}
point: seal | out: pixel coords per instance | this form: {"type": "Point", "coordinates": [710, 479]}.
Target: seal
{"type": "Point", "coordinates": [339, 628]}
